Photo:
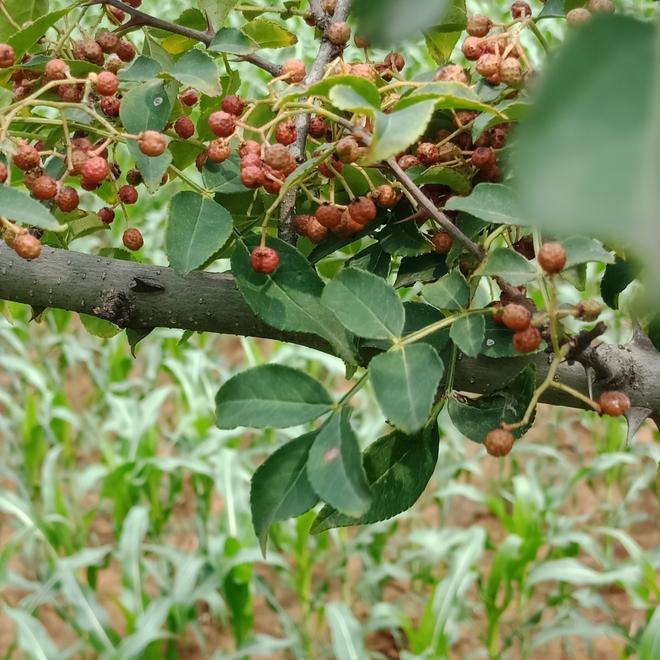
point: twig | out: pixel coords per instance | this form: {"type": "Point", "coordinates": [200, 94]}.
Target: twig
{"type": "Point", "coordinates": [274, 69]}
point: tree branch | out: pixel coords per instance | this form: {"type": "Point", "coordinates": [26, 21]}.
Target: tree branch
{"type": "Point", "coordinates": [139, 296]}
{"type": "Point", "coordinates": [275, 70]}
{"type": "Point", "coordinates": [325, 55]}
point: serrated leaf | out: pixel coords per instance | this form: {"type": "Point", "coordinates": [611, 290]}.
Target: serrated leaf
{"type": "Point", "coordinates": [509, 264]}
{"type": "Point", "coordinates": [196, 69]}
{"type": "Point", "coordinates": [492, 202]}
{"type": "Point", "coordinates": [145, 107]}
{"type": "Point", "coordinates": [404, 240]}
{"type": "Point", "coordinates": [152, 168]}
{"type": "Point", "coordinates": [398, 468]}
{"type": "Point", "coordinates": [424, 268]}
{"type": "Point", "coordinates": [232, 41]}
{"type": "Point", "coordinates": [197, 228]}
{"type": "Point", "coordinates": [19, 206]}
{"type": "Point", "coordinates": [99, 327]}
{"type": "Point", "coordinates": [445, 176]}
{"type": "Point", "coordinates": [372, 259]}
{"type": "Point", "coordinates": [405, 383]}
{"type": "Point", "coordinates": [513, 110]}
{"type": "Point", "coordinates": [290, 298]}
{"type": "Point", "coordinates": [334, 466]}
{"type": "Point", "coordinates": [268, 34]}
{"type": "Point", "coordinates": [468, 333]}
{"type": "Point", "coordinates": [280, 488]}
{"type": "Point", "coordinates": [419, 316]}
{"type": "Point", "coordinates": [217, 10]}
{"type": "Point", "coordinates": [22, 40]}
{"type": "Point", "coordinates": [476, 418]}
{"type": "Point", "coordinates": [224, 178]}
{"type": "Point", "coordinates": [349, 99]}
{"type": "Point", "coordinates": [616, 279]}
{"type": "Point", "coordinates": [142, 69]}
{"type": "Point", "coordinates": [365, 304]}
{"type": "Point", "coordinates": [21, 11]}
{"type": "Point", "coordinates": [581, 250]}
{"type": "Point", "coordinates": [270, 395]}
{"type": "Point", "coordinates": [394, 132]}
{"type": "Point", "coordinates": [450, 292]}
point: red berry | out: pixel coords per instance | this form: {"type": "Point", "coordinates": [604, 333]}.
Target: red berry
{"type": "Point", "coordinates": [348, 150]}
{"type": "Point", "coordinates": [107, 40]}
{"type": "Point", "coordinates": [338, 33]}
{"type": "Point", "coordinates": [385, 196]}
{"type": "Point", "coordinates": [588, 310]}
{"type": "Point", "coordinates": [325, 170]}
{"type": "Point", "coordinates": [110, 106]}
{"type": "Point", "coordinates": [116, 14]}
{"type": "Point", "coordinates": [488, 64]}
{"type": "Point", "coordinates": [272, 181]}
{"type": "Point", "coordinates": [4, 172]}
{"type": "Point", "coordinates": [251, 160]}
{"type": "Point", "coordinates": [527, 341]}
{"type": "Point", "coordinates": [478, 26]}
{"type": "Point", "coordinates": [106, 215]}
{"type": "Point", "coordinates": [300, 224]}
{"type": "Point", "coordinates": [95, 170]}
{"type": "Point", "coordinates": [91, 51]}
{"type": "Point", "coordinates": [452, 73]}
{"type": "Point", "coordinates": [407, 161]}
{"type": "Point", "coordinates": [294, 71]}
{"type": "Point", "coordinates": [520, 9]}
{"type": "Point", "coordinates": [614, 403]}
{"type": "Point", "coordinates": [56, 69]}
{"type": "Point", "coordinates": [316, 232]}
{"type": "Point", "coordinates": [286, 133]}
{"type": "Point", "coordinates": [249, 147]}
{"type": "Point", "coordinates": [233, 105]}
{"type": "Point", "coordinates": [606, 6]}
{"type": "Point", "coordinates": [552, 257]}
{"type": "Point", "coordinates": [516, 317]}
{"type": "Point", "coordinates": [318, 127]}
{"type": "Point", "coordinates": [395, 61]}
{"type": "Point", "coordinates": [472, 48]}
{"type": "Point", "coordinates": [483, 157]}
{"type": "Point", "coordinates": [347, 227]}
{"type": "Point", "coordinates": [152, 143]}
{"type": "Point", "coordinates": [128, 194]}
{"type": "Point", "coordinates": [125, 50]}
{"type": "Point", "coordinates": [252, 176]}
{"type": "Point", "coordinates": [67, 199]}
{"type": "Point", "coordinates": [442, 242]}
{"type": "Point", "coordinates": [70, 93]}
{"type": "Point", "coordinates": [328, 216]}
{"type": "Point", "coordinates": [134, 177]}
{"type": "Point", "coordinates": [499, 442]}
{"type": "Point", "coordinates": [264, 260]}
{"type": "Point", "coordinates": [363, 70]}
{"type": "Point", "coordinates": [7, 56]}
{"type": "Point", "coordinates": [578, 16]}
{"type": "Point", "coordinates": [428, 153]}
{"type": "Point", "coordinates": [189, 97]}
{"type": "Point", "coordinates": [45, 187]}
{"type": "Point", "coordinates": [362, 210]}
{"type": "Point", "coordinates": [107, 83]}
{"type": "Point", "coordinates": [218, 151]}
{"type": "Point", "coordinates": [222, 123]}
{"type": "Point", "coordinates": [511, 72]}
{"type": "Point", "coordinates": [26, 157]}
{"type": "Point", "coordinates": [132, 239]}
{"type": "Point", "coordinates": [278, 157]}
{"type": "Point", "coordinates": [184, 127]}
{"type": "Point", "coordinates": [27, 246]}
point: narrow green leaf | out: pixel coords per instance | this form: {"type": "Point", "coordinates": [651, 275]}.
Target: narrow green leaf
{"type": "Point", "coordinates": [19, 206]}
{"type": "Point", "coordinates": [509, 264]}
{"type": "Point", "coordinates": [405, 383]}
{"type": "Point", "coordinates": [22, 40]}
{"type": "Point", "coordinates": [270, 395]}
{"type": "Point", "coordinates": [365, 304]}
{"type": "Point", "coordinates": [22, 12]}
{"type": "Point", "coordinates": [197, 228]}
{"type": "Point", "coordinates": [280, 488]}
{"type": "Point", "coordinates": [31, 636]}
{"type": "Point", "coordinates": [334, 467]}
{"type": "Point", "coordinates": [398, 468]}
{"type": "Point", "coordinates": [346, 631]}
{"type": "Point", "coordinates": [468, 333]}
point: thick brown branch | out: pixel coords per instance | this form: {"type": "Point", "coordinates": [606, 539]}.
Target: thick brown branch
{"type": "Point", "coordinates": [275, 70]}
{"type": "Point", "coordinates": [140, 297]}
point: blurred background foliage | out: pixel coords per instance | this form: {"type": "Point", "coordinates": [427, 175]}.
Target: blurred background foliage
{"type": "Point", "coordinates": [125, 524]}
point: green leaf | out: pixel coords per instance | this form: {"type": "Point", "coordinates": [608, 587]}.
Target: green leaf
{"type": "Point", "coordinates": [232, 41]}
{"type": "Point", "coordinates": [196, 69]}
{"type": "Point", "coordinates": [581, 250]}
{"type": "Point", "coordinates": [514, 110]}
{"type": "Point", "coordinates": [498, 341]}
{"type": "Point", "coordinates": [451, 292]}
{"type": "Point", "coordinates": [616, 279]}
{"type": "Point", "coordinates": [99, 327]}
{"type": "Point", "coordinates": [24, 39]}
{"type": "Point", "coordinates": [403, 240]}
{"type": "Point", "coordinates": [334, 466]}
{"type": "Point", "coordinates": [598, 182]}
{"type": "Point", "coordinates": [441, 39]}
{"type": "Point", "coordinates": [424, 268]}
{"type": "Point", "coordinates": [396, 131]}
{"type": "Point", "coordinates": [145, 107]}
{"type": "Point", "coordinates": [419, 316]}
{"type": "Point", "coordinates": [468, 333]}
{"type": "Point", "coordinates": [388, 22]}
{"type": "Point", "coordinates": [270, 395]}
{"type": "Point", "coordinates": [553, 9]}
{"type": "Point", "coordinates": [509, 264]}
{"type": "Point", "coordinates": [347, 98]}
{"type": "Point", "coordinates": [447, 95]}
{"type": "Point", "coordinates": [445, 176]}
{"type": "Point", "coordinates": [142, 69]}
{"type": "Point", "coordinates": [31, 636]}
{"type": "Point", "coordinates": [372, 259]}
{"type": "Point", "coordinates": [365, 304]}
{"type": "Point", "coordinates": [405, 383]}
{"type": "Point", "coordinates": [649, 645]}
{"type": "Point", "coordinates": [224, 178]}
{"type": "Point", "coordinates": [217, 10]}
{"type": "Point", "coordinates": [290, 298]}
{"type": "Point", "coordinates": [19, 206]}
{"type": "Point", "coordinates": [268, 34]}
{"type": "Point", "coordinates": [21, 11]}
{"type": "Point", "coordinates": [476, 418]}
{"type": "Point", "coordinates": [398, 468]}
{"type": "Point", "coordinates": [197, 228]}
{"type": "Point", "coordinates": [346, 632]}
{"type": "Point", "coordinates": [280, 488]}
{"type": "Point", "coordinates": [492, 202]}
{"type": "Point", "coordinates": [151, 168]}
{"type": "Point", "coordinates": [361, 86]}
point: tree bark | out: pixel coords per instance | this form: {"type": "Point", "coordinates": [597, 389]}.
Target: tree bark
{"type": "Point", "coordinates": [140, 297]}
